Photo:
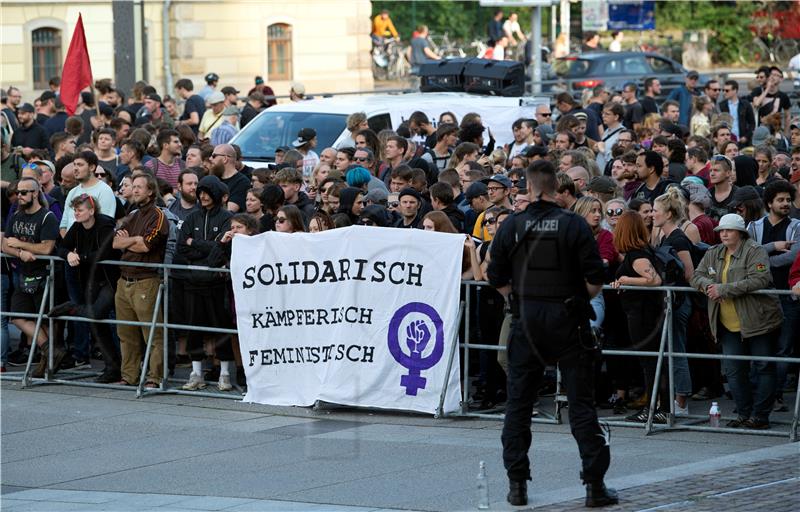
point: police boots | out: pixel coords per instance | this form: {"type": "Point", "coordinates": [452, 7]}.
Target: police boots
{"type": "Point", "coordinates": [518, 492]}
{"type": "Point", "coordinates": [598, 495]}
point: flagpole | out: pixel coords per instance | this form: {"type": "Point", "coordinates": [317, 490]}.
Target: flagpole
{"type": "Point", "coordinates": [96, 100]}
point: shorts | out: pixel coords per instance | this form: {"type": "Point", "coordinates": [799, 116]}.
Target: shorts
{"type": "Point", "coordinates": [22, 302]}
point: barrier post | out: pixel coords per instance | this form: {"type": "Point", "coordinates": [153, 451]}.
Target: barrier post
{"type": "Point", "coordinates": [670, 360]}
{"type": "Point", "coordinates": [793, 428]}
{"type": "Point", "coordinates": [440, 410]}
{"type": "Point", "coordinates": [153, 322]}
{"type": "Point", "coordinates": [465, 382]}
{"type": "Point", "coordinates": [648, 429]}
{"type": "Point", "coordinates": [165, 317]}
{"type": "Point", "coordinates": [34, 345]}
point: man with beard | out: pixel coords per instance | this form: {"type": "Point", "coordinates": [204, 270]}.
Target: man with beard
{"type": "Point", "coordinates": [187, 198]}
{"type": "Point", "coordinates": [168, 165]}
{"type": "Point", "coordinates": [30, 135]}
{"type": "Point", "coordinates": [131, 153]}
{"type": "Point", "coordinates": [32, 230]}
{"type": "Point", "coordinates": [142, 238]}
{"type": "Point", "coordinates": [223, 166]}
{"type": "Point", "coordinates": [410, 202]}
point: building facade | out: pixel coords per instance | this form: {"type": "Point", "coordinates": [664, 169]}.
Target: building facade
{"type": "Point", "coordinates": [324, 44]}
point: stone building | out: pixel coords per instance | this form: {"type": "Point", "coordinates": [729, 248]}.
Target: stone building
{"type": "Point", "coordinates": [322, 43]}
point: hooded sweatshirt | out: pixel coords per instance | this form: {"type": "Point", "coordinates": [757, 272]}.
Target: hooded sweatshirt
{"type": "Point", "coordinates": [377, 214]}
{"type": "Point", "coordinates": [93, 245]}
{"type": "Point", "coordinates": [347, 197]}
{"type": "Point", "coordinates": [205, 227]}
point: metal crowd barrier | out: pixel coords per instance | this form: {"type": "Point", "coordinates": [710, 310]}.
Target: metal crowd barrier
{"type": "Point", "coordinates": [665, 351]}
{"type": "Point", "coordinates": [162, 303]}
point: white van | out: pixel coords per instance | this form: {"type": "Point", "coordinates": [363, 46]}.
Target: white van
{"type": "Point", "coordinates": [278, 126]}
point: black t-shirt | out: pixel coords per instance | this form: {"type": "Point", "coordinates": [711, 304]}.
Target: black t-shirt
{"type": "Point", "coordinates": [680, 242]}
{"type": "Point", "coordinates": [248, 114]}
{"type": "Point", "coordinates": [720, 208]}
{"type": "Point", "coordinates": [637, 297]}
{"type": "Point", "coordinates": [194, 104]}
{"type": "Point", "coordinates": [634, 114]}
{"type": "Point", "coordinates": [33, 228]}
{"type": "Point", "coordinates": [648, 195]}
{"type": "Point", "coordinates": [649, 105]}
{"type": "Point", "coordinates": [238, 185]}
{"type": "Point", "coordinates": [777, 233]}
{"type": "Point", "coordinates": [777, 102]}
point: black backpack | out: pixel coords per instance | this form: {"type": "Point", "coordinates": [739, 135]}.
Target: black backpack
{"type": "Point", "coordinates": [668, 265]}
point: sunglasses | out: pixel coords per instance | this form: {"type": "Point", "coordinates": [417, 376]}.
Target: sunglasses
{"type": "Point", "coordinates": [546, 114]}
{"type": "Point", "coordinates": [394, 204]}
{"type": "Point", "coordinates": [311, 189]}
{"type": "Point", "coordinates": [489, 221]}
{"type": "Point", "coordinates": [24, 193]}
{"type": "Point", "coordinates": [615, 212]}
{"type": "Point", "coordinates": [280, 220]}
{"type": "Point", "coordinates": [366, 222]}
{"type": "Point", "coordinates": [361, 159]}
{"type": "Point", "coordinates": [100, 175]}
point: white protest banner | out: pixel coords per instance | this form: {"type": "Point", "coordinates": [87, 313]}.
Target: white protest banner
{"type": "Point", "coordinates": [361, 316]}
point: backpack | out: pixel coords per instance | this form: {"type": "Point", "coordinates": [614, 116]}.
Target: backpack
{"type": "Point", "coordinates": [698, 251]}
{"type": "Point", "coordinates": [668, 265]}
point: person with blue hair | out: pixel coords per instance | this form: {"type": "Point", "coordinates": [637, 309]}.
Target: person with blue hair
{"type": "Point", "coordinates": [357, 177]}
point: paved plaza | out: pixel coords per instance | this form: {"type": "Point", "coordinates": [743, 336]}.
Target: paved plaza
{"type": "Point", "coordinates": [70, 448]}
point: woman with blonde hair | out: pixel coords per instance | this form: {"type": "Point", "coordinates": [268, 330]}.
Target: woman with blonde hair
{"type": "Point", "coordinates": [701, 119]}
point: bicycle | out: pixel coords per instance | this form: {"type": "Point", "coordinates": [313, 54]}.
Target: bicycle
{"type": "Point", "coordinates": [766, 46]}
{"type": "Point", "coordinates": [389, 60]}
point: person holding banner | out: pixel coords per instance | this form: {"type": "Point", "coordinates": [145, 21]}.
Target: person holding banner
{"type": "Point", "coordinates": [545, 261]}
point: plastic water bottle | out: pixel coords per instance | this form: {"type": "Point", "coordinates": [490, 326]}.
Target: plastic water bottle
{"type": "Point", "coordinates": [483, 488]}
{"type": "Point", "coordinates": [714, 415]}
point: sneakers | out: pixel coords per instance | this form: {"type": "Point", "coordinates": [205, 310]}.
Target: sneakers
{"type": "Point", "coordinates": [224, 383]}
{"type": "Point", "coordinates": [108, 377]}
{"type": "Point", "coordinates": [681, 411]}
{"type": "Point", "coordinates": [517, 492]}
{"type": "Point", "coordinates": [64, 309]}
{"type": "Point", "coordinates": [737, 423]}
{"type": "Point", "coordinates": [704, 394]}
{"type": "Point", "coordinates": [71, 363]}
{"type": "Point", "coordinates": [212, 374]}
{"type": "Point", "coordinates": [756, 424]}
{"type": "Point", "coordinates": [195, 382]}
{"type": "Point", "coordinates": [19, 357]}
{"type": "Point", "coordinates": [780, 405]}
{"type": "Point", "coordinates": [641, 416]}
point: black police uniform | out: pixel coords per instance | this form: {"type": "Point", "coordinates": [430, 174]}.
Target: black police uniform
{"type": "Point", "coordinates": [547, 254]}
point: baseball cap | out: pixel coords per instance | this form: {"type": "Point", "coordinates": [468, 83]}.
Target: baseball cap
{"type": "Point", "coordinates": [46, 163]}
{"type": "Point", "coordinates": [377, 195]}
{"type": "Point", "coordinates": [154, 97]}
{"type": "Point", "coordinates": [47, 96]}
{"type": "Point", "coordinates": [501, 179]}
{"type": "Point", "coordinates": [522, 183]}
{"type": "Point", "coordinates": [282, 149]}
{"type": "Point", "coordinates": [27, 107]}
{"type": "Point", "coordinates": [259, 80]}
{"type": "Point", "coordinates": [212, 77]}
{"type": "Point", "coordinates": [304, 136]}
{"type": "Point", "coordinates": [743, 194]}
{"type": "Point", "coordinates": [693, 74]}
{"type": "Point", "coordinates": [298, 87]}
{"type": "Point", "coordinates": [602, 185]}
{"type": "Point", "coordinates": [215, 97]}
{"type": "Point", "coordinates": [229, 90]}
{"type": "Point", "coordinates": [106, 110]}
{"type": "Point", "coordinates": [476, 189]}
{"type": "Point", "coordinates": [230, 110]}
{"type": "Point", "coordinates": [581, 116]}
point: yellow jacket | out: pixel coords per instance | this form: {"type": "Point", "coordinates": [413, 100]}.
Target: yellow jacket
{"type": "Point", "coordinates": [383, 27]}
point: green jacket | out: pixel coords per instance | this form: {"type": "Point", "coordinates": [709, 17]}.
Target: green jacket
{"type": "Point", "coordinates": [748, 272]}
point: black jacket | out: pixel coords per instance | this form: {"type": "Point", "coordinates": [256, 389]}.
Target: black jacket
{"type": "Point", "coordinates": [306, 206]}
{"type": "Point", "coordinates": [92, 245]}
{"type": "Point", "coordinates": [746, 116]}
{"type": "Point", "coordinates": [205, 227]}
{"type": "Point", "coordinates": [347, 198]}
{"type": "Point", "coordinates": [456, 216]}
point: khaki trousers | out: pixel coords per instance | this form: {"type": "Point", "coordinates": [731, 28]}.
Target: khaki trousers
{"type": "Point", "coordinates": [135, 302]}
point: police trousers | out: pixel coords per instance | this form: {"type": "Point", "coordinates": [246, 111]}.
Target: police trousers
{"type": "Point", "coordinates": [542, 334]}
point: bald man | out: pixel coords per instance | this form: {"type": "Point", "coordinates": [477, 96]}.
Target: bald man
{"type": "Point", "coordinates": [580, 176]}
{"type": "Point", "coordinates": [223, 166]}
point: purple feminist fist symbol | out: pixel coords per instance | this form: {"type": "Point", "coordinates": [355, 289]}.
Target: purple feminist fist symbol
{"type": "Point", "coordinates": [418, 335]}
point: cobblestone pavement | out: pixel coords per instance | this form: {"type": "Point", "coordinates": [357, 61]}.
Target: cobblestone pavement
{"type": "Point", "coordinates": [769, 485]}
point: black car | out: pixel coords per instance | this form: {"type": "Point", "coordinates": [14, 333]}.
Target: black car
{"type": "Point", "coordinates": [575, 73]}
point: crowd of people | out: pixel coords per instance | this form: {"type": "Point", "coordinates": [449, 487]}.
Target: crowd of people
{"type": "Point", "coordinates": [680, 184]}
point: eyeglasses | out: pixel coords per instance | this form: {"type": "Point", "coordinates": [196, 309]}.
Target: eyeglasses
{"type": "Point", "coordinates": [614, 212]}
{"type": "Point", "coordinates": [545, 114]}
{"type": "Point", "coordinates": [495, 189]}
{"type": "Point", "coordinates": [489, 221]}
{"type": "Point", "coordinates": [23, 193]}
{"type": "Point", "coordinates": [213, 155]}
{"type": "Point", "coordinates": [366, 222]}
{"type": "Point", "coordinates": [627, 141]}
{"type": "Point", "coordinates": [280, 220]}
{"type": "Point", "coordinates": [715, 90]}
{"type": "Point", "coordinates": [360, 159]}
{"type": "Point", "coordinates": [727, 90]}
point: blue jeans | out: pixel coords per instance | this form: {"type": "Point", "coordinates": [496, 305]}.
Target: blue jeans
{"type": "Point", "coordinates": [681, 312]}
{"type": "Point", "coordinates": [786, 341]}
{"type": "Point", "coordinates": [5, 289]}
{"type": "Point", "coordinates": [752, 400]}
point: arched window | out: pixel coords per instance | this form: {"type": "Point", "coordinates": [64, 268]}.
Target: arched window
{"type": "Point", "coordinates": [46, 46]}
{"type": "Point", "coordinates": [279, 48]}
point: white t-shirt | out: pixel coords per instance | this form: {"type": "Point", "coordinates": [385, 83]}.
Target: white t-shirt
{"type": "Point", "coordinates": [511, 28]}
{"type": "Point", "coordinates": [101, 193]}
{"type": "Point", "coordinates": [499, 53]}
{"type": "Point", "coordinates": [309, 162]}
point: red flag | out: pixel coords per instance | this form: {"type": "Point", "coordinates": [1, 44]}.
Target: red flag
{"type": "Point", "coordinates": [77, 72]}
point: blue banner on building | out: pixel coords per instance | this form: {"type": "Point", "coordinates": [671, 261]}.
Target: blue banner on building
{"type": "Point", "coordinates": [632, 15]}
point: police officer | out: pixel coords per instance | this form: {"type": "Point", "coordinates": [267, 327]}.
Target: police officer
{"type": "Point", "coordinates": [545, 260]}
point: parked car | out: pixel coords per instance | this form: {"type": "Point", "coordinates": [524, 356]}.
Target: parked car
{"type": "Point", "coordinates": [278, 126]}
{"type": "Point", "coordinates": [615, 69]}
